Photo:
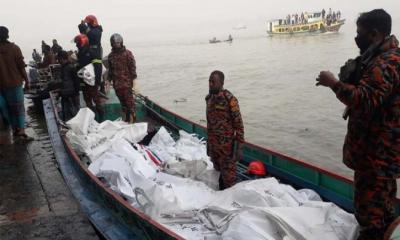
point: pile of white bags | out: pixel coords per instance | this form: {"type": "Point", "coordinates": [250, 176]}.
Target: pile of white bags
{"type": "Point", "coordinates": [186, 158]}
{"type": "Point", "coordinates": [174, 183]}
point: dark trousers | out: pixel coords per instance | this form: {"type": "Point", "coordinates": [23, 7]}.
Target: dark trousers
{"type": "Point", "coordinates": [93, 101]}
{"type": "Point", "coordinates": [220, 150]}
{"type": "Point", "coordinates": [70, 107]}
{"type": "Point", "coordinates": [125, 96]}
{"type": "Point", "coordinates": [374, 202]}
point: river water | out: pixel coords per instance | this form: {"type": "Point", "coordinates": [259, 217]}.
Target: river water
{"type": "Point", "coordinates": [273, 79]}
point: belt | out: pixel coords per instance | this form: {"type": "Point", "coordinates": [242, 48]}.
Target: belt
{"type": "Point", "coordinates": [97, 61]}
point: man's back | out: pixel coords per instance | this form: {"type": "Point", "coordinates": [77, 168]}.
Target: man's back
{"type": "Point", "coordinates": [11, 61]}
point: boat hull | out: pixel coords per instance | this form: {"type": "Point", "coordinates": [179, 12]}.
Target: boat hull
{"type": "Point", "coordinates": [310, 28]}
{"type": "Point", "coordinates": [297, 173]}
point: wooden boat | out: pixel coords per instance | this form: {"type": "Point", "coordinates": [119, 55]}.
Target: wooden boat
{"type": "Point", "coordinates": [40, 82]}
{"type": "Point", "coordinates": [214, 40]}
{"type": "Point", "coordinates": [114, 218]}
{"type": "Point", "coordinates": [314, 24]}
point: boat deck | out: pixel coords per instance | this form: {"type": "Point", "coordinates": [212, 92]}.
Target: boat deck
{"type": "Point", "coordinates": [35, 202]}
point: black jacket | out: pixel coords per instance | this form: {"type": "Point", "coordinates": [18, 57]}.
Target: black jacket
{"type": "Point", "coordinates": [70, 81]}
{"type": "Point", "coordinates": [94, 35]}
{"type": "Point", "coordinates": [84, 57]}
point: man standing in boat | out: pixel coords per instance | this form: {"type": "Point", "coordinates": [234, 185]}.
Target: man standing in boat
{"type": "Point", "coordinates": [122, 72]}
{"type": "Point", "coordinates": [12, 76]}
{"type": "Point", "coordinates": [69, 87]}
{"type": "Point", "coordinates": [93, 30]}
{"type": "Point", "coordinates": [224, 128]}
{"type": "Point", "coordinates": [91, 94]}
{"type": "Point", "coordinates": [372, 96]}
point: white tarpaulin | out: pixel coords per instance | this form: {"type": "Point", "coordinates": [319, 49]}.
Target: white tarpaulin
{"type": "Point", "coordinates": [180, 200]}
{"type": "Point", "coordinates": [93, 139]}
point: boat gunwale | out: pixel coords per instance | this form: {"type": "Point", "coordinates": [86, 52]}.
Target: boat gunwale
{"type": "Point", "coordinates": [107, 190]}
{"type": "Point", "coordinates": [318, 169]}
{"type": "Point", "coordinates": [264, 149]}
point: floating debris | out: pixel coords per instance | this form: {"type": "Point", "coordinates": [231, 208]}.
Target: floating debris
{"type": "Point", "coordinates": [180, 100]}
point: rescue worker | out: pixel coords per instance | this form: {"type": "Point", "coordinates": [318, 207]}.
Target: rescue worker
{"type": "Point", "coordinates": [12, 77]}
{"type": "Point", "coordinates": [224, 128]}
{"type": "Point", "coordinates": [91, 28]}
{"type": "Point", "coordinates": [122, 73]}
{"type": "Point", "coordinates": [371, 147]}
{"type": "Point", "coordinates": [90, 93]}
{"type": "Point", "coordinates": [69, 87]}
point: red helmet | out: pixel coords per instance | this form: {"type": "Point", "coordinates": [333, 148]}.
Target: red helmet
{"type": "Point", "coordinates": [81, 40]}
{"type": "Point", "coordinates": [91, 20]}
{"type": "Point", "coordinates": [256, 168]}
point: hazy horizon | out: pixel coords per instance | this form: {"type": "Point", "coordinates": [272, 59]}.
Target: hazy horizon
{"type": "Point", "coordinates": [158, 22]}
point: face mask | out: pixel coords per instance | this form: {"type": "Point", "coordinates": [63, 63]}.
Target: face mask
{"type": "Point", "coordinates": [213, 91]}
{"type": "Point", "coordinates": [362, 43]}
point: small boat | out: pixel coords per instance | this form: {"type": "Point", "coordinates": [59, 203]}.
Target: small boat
{"type": "Point", "coordinates": [115, 218]}
{"type": "Point", "coordinates": [230, 39]}
{"type": "Point", "coordinates": [214, 40]}
{"type": "Point", "coordinates": [315, 23]}
{"type": "Point", "coordinates": [40, 82]}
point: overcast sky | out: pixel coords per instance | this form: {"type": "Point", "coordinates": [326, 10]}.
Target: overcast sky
{"type": "Point", "coordinates": [31, 21]}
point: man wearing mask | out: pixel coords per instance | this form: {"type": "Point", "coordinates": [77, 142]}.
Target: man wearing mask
{"type": "Point", "coordinates": [12, 76]}
{"type": "Point", "coordinates": [371, 95]}
{"type": "Point", "coordinates": [224, 128]}
{"type": "Point", "coordinates": [91, 28]}
{"type": "Point", "coordinates": [122, 72]}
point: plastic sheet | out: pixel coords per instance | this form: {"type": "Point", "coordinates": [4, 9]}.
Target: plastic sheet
{"type": "Point", "coordinates": [188, 205]}
{"type": "Point", "coordinates": [87, 74]}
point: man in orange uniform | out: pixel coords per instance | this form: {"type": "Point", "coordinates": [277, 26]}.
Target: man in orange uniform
{"type": "Point", "coordinates": [224, 128]}
{"type": "Point", "coordinates": [372, 145]}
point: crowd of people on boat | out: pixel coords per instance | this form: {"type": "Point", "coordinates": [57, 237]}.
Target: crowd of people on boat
{"type": "Point", "coordinates": [121, 72]}
{"type": "Point", "coordinates": [368, 86]}
{"type": "Point", "coordinates": [303, 18]}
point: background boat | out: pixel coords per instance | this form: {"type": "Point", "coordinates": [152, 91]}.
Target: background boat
{"type": "Point", "coordinates": [315, 23]}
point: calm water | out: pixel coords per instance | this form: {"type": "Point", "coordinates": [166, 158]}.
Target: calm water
{"type": "Point", "coordinates": [273, 77]}
{"type": "Point", "coordinates": [274, 80]}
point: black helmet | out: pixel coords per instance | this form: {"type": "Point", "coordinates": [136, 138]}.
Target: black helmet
{"type": "Point", "coordinates": [116, 38]}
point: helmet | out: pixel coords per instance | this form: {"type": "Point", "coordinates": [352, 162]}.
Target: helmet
{"type": "Point", "coordinates": [81, 40]}
{"type": "Point", "coordinates": [256, 168]}
{"type": "Point", "coordinates": [91, 20]}
{"type": "Point", "coordinates": [116, 38]}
